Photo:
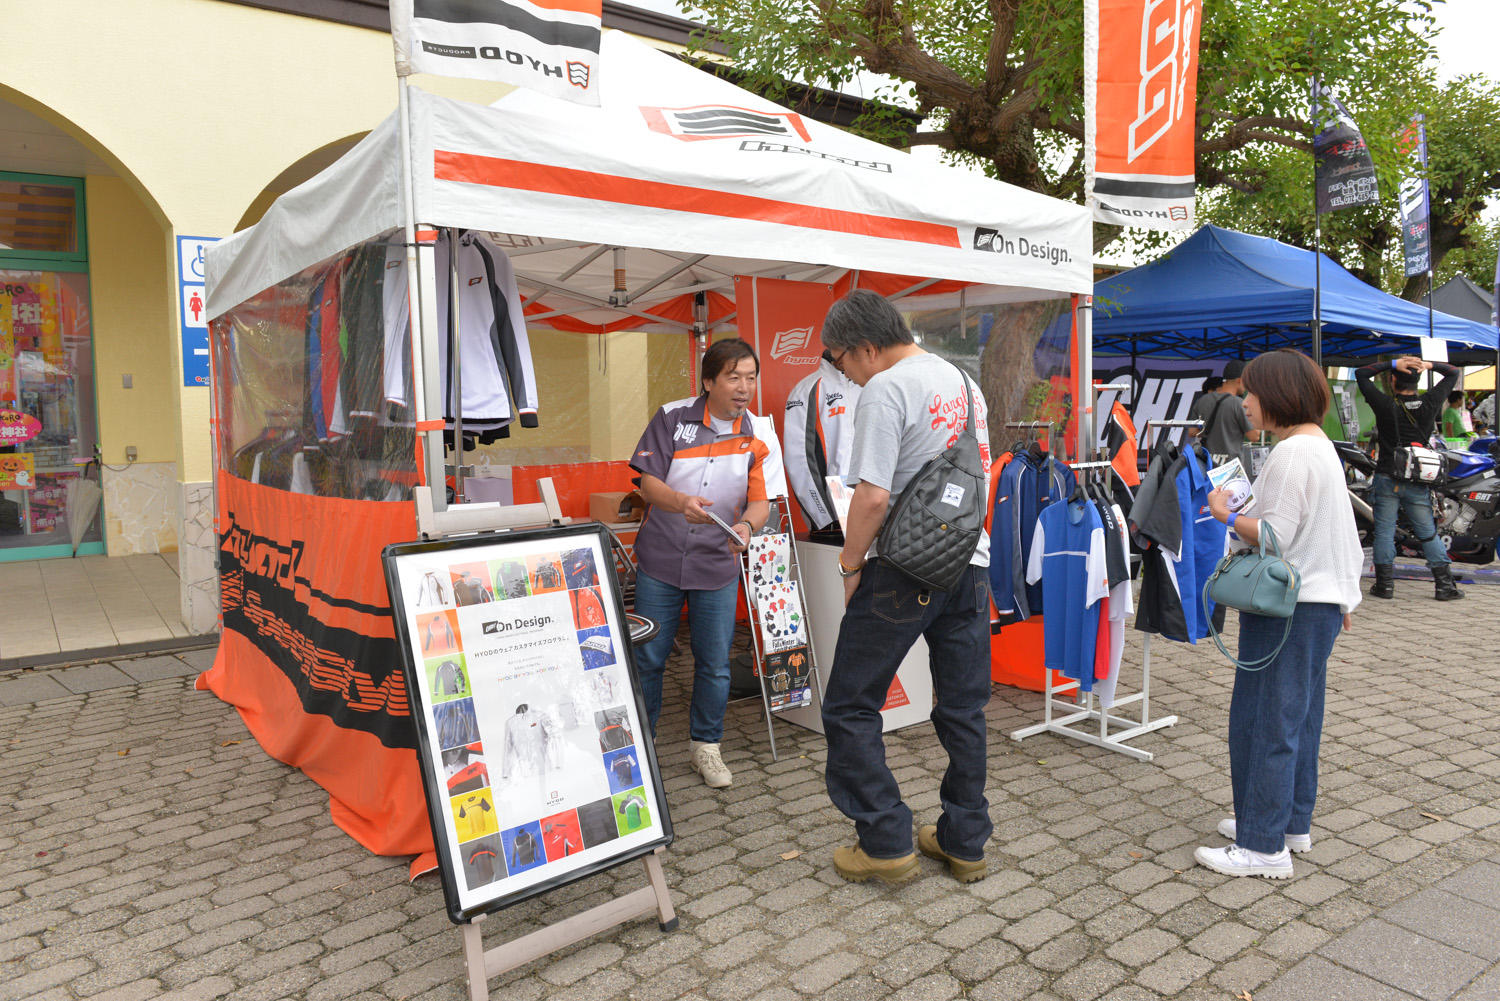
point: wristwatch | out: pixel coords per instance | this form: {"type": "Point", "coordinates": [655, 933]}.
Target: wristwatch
{"type": "Point", "coordinates": [848, 571]}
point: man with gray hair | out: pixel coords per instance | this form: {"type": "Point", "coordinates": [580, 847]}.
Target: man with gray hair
{"type": "Point", "coordinates": [913, 405]}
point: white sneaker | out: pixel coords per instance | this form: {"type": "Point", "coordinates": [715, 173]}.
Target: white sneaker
{"type": "Point", "coordinates": [708, 763]}
{"type": "Point", "coordinates": [1297, 843]}
{"type": "Point", "coordinates": [1232, 860]}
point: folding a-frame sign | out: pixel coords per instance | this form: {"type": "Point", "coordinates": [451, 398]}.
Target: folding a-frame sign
{"type": "Point", "coordinates": [678, 182]}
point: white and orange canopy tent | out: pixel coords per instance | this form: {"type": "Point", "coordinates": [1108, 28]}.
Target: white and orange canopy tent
{"type": "Point", "coordinates": [694, 178]}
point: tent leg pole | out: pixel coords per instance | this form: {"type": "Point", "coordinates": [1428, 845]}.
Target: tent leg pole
{"type": "Point", "coordinates": [422, 299]}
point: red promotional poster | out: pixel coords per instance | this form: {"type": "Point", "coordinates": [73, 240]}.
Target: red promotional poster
{"type": "Point", "coordinates": [1140, 94]}
{"type": "Point", "coordinates": [782, 320]}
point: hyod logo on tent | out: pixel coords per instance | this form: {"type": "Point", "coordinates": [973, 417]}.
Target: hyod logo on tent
{"type": "Point", "coordinates": [786, 345]}
{"type": "Point", "coordinates": [722, 121]}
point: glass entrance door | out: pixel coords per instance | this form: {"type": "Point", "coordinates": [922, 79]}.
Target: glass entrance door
{"type": "Point", "coordinates": [49, 483]}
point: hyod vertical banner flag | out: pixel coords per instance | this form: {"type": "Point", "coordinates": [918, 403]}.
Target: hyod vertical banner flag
{"type": "Point", "coordinates": [1140, 90]}
{"type": "Point", "coordinates": [546, 45]}
{"type": "Point", "coordinates": [1415, 204]}
{"type": "Point", "coordinates": [1345, 173]}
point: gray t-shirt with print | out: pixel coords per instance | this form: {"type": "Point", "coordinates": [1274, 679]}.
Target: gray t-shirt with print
{"type": "Point", "coordinates": [906, 415]}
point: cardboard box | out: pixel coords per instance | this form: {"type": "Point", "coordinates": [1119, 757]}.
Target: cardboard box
{"type": "Point", "coordinates": [616, 506]}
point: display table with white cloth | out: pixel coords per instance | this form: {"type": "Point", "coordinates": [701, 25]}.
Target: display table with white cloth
{"type": "Point", "coordinates": [910, 698]}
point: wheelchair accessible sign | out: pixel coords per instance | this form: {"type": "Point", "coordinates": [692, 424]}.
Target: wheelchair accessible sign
{"type": "Point", "coordinates": [192, 294]}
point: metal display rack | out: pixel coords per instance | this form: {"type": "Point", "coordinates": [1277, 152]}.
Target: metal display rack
{"type": "Point", "coordinates": [782, 507]}
{"type": "Point", "coordinates": [1078, 713]}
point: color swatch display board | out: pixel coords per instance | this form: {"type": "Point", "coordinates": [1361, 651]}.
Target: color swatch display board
{"type": "Point", "coordinates": [782, 622]}
{"type": "Point", "coordinates": [538, 767]}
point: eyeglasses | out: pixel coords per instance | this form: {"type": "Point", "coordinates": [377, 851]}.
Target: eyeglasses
{"type": "Point", "coordinates": [838, 360]}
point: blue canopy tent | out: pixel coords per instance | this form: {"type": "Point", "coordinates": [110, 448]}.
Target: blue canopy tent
{"type": "Point", "coordinates": [1224, 294]}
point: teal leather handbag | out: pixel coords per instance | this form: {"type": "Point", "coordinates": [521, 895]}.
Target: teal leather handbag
{"type": "Point", "coordinates": [1254, 580]}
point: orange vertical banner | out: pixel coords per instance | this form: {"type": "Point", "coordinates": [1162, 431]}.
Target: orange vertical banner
{"type": "Point", "coordinates": [1140, 94]}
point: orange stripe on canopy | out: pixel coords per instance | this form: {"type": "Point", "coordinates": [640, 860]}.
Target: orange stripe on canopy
{"type": "Point", "coordinates": [471, 168]}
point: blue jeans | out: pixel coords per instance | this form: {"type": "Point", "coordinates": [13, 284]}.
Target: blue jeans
{"type": "Point", "coordinates": [1386, 495]}
{"type": "Point", "coordinates": [711, 629]}
{"type": "Point", "coordinates": [1276, 723]}
{"type": "Point", "coordinates": [882, 621]}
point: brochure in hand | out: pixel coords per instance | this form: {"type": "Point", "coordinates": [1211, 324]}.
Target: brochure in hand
{"type": "Point", "coordinates": [1231, 478]}
{"type": "Point", "coordinates": [734, 537]}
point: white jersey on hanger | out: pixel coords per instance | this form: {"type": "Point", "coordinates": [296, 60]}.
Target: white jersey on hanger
{"type": "Point", "coordinates": [396, 307]}
{"type": "Point", "coordinates": [485, 400]}
{"type": "Point", "coordinates": [819, 446]}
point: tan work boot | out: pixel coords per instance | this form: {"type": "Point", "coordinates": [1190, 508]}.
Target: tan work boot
{"type": "Point", "coordinates": [853, 864]}
{"type": "Point", "coordinates": [962, 870]}
{"type": "Point", "coordinates": [708, 763]}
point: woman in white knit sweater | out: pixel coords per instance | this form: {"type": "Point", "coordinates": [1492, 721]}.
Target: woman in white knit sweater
{"type": "Point", "coordinates": [1276, 713]}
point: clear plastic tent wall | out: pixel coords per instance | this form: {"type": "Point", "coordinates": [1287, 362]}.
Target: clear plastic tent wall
{"type": "Point", "coordinates": [314, 381]}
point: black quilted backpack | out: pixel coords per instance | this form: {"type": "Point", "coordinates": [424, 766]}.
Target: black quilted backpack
{"type": "Point", "coordinates": [934, 529]}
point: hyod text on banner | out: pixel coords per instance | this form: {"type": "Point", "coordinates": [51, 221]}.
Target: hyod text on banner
{"type": "Point", "coordinates": [1140, 91]}
{"type": "Point", "coordinates": [549, 45]}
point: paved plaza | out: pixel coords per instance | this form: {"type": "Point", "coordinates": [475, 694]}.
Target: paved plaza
{"type": "Point", "coordinates": [149, 848]}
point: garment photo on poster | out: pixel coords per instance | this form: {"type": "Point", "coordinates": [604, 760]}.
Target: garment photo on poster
{"type": "Point", "coordinates": [474, 814]}
{"type": "Point", "coordinates": [438, 633]}
{"type": "Point", "coordinates": [578, 568]}
{"type": "Point", "coordinates": [523, 847]}
{"type": "Point", "coordinates": [536, 765]}
{"type": "Point", "coordinates": [471, 584]}
{"type": "Point", "coordinates": [455, 723]}
{"type": "Point", "coordinates": [482, 862]}
{"type": "Point", "coordinates": [603, 688]}
{"type": "Point", "coordinates": [788, 675]}
{"type": "Point", "coordinates": [545, 573]}
{"type": "Point", "coordinates": [533, 744]}
{"type": "Point", "coordinates": [770, 559]}
{"type": "Point", "coordinates": [596, 647]}
{"type": "Point", "coordinates": [465, 768]}
{"type": "Point", "coordinates": [561, 836]}
{"type": "Point", "coordinates": [779, 611]}
{"type": "Point", "coordinates": [631, 811]}
{"type": "Point", "coordinates": [614, 729]}
{"type": "Point", "coordinates": [511, 579]}
{"type": "Point", "coordinates": [588, 608]}
{"type": "Point", "coordinates": [624, 772]}
{"type": "Point", "coordinates": [433, 590]}
{"type": "Point", "coordinates": [447, 677]}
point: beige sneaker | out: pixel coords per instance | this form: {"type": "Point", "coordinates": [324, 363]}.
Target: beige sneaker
{"type": "Point", "coordinates": [708, 763]}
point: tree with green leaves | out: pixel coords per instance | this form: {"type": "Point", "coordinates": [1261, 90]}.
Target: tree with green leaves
{"type": "Point", "coordinates": [1001, 81]}
{"type": "Point", "coordinates": [1463, 141]}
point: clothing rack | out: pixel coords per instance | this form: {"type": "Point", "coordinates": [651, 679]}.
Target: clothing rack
{"type": "Point", "coordinates": [1076, 713]}
{"type": "Point", "coordinates": [1053, 444]}
{"type": "Point", "coordinates": [1164, 425]}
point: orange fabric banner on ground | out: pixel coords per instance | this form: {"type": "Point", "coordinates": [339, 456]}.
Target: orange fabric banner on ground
{"type": "Point", "coordinates": [309, 655]}
{"type": "Point", "coordinates": [1140, 93]}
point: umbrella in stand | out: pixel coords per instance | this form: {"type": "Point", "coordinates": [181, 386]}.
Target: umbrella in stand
{"type": "Point", "coordinates": [83, 505]}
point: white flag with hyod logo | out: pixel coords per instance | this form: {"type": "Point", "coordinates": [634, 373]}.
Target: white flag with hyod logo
{"type": "Point", "coordinates": [548, 45]}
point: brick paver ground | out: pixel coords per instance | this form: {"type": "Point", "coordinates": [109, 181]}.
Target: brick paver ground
{"type": "Point", "coordinates": [150, 849]}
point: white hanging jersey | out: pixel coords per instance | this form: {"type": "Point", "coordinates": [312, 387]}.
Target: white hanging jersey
{"type": "Point", "coordinates": [819, 427]}
{"type": "Point", "coordinates": [396, 307]}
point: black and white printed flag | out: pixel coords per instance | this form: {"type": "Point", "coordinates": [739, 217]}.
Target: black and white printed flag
{"type": "Point", "coordinates": [546, 45]}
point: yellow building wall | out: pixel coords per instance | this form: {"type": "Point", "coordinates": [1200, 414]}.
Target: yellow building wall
{"type": "Point", "coordinates": [128, 282]}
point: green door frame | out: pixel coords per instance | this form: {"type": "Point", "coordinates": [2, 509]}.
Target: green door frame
{"type": "Point", "coordinates": [75, 262]}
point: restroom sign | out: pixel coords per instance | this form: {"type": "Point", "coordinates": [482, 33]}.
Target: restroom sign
{"type": "Point", "coordinates": [193, 296]}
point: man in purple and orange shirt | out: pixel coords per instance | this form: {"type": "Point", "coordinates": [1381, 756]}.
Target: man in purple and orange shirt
{"type": "Point", "coordinates": [699, 455]}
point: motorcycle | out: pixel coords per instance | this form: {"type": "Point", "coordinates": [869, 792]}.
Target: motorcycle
{"type": "Point", "coordinates": [1465, 500]}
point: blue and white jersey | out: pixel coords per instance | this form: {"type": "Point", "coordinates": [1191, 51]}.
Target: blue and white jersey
{"type": "Point", "coordinates": [1068, 557]}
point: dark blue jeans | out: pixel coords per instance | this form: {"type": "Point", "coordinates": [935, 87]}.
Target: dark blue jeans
{"type": "Point", "coordinates": [883, 620]}
{"type": "Point", "coordinates": [1276, 723]}
{"type": "Point", "coordinates": [711, 633]}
